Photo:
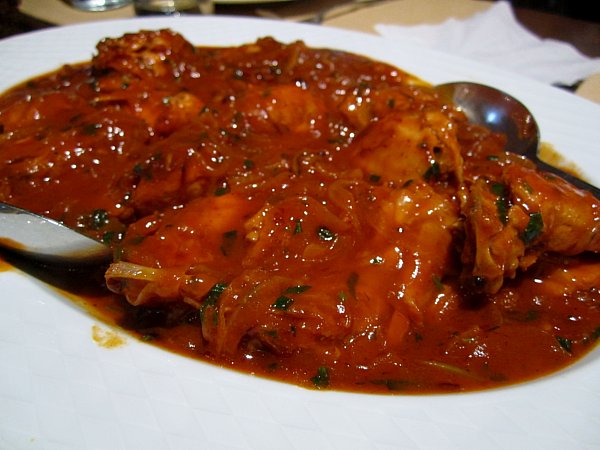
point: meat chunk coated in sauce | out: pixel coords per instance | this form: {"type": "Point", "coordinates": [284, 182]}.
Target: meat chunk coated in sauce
{"type": "Point", "coordinates": [307, 214]}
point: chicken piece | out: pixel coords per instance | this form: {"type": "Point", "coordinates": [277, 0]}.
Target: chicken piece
{"type": "Point", "coordinates": [161, 253]}
{"type": "Point", "coordinates": [281, 314]}
{"type": "Point", "coordinates": [298, 229]}
{"type": "Point", "coordinates": [511, 221]}
{"type": "Point", "coordinates": [137, 72]}
{"type": "Point", "coordinates": [407, 146]}
{"type": "Point", "coordinates": [285, 109]}
{"type": "Point", "coordinates": [147, 55]}
{"type": "Point", "coordinates": [178, 168]}
{"type": "Point", "coordinates": [419, 225]}
{"type": "Point", "coordinates": [368, 291]}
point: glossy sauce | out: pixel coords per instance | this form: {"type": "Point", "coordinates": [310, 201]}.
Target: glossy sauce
{"type": "Point", "coordinates": [307, 215]}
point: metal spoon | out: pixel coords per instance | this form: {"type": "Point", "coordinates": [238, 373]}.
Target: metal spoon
{"type": "Point", "coordinates": [47, 240]}
{"type": "Point", "coordinates": [500, 112]}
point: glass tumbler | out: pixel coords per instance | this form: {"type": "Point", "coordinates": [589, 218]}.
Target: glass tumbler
{"type": "Point", "coordinates": [98, 5]}
{"type": "Point", "coordinates": [172, 7]}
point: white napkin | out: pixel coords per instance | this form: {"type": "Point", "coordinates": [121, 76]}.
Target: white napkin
{"type": "Point", "coordinates": [496, 38]}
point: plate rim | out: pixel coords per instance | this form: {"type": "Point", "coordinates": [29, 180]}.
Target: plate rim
{"type": "Point", "coordinates": [447, 403]}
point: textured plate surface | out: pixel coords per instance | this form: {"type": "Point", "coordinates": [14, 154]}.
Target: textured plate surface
{"type": "Point", "coordinates": [60, 390]}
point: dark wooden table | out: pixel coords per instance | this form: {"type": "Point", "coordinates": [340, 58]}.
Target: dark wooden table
{"type": "Point", "coordinates": [583, 34]}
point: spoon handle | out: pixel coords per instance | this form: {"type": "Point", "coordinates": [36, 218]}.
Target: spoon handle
{"type": "Point", "coordinates": [575, 181]}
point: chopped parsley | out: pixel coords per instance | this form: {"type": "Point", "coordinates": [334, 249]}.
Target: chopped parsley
{"type": "Point", "coordinates": [98, 219]}
{"type": "Point", "coordinates": [109, 237]}
{"type": "Point", "coordinates": [91, 129]}
{"type": "Point", "coordinates": [222, 189]}
{"type": "Point", "coordinates": [283, 302]}
{"type": "Point", "coordinates": [142, 171]}
{"type": "Point", "coordinates": [149, 337]}
{"type": "Point", "coordinates": [325, 234]}
{"type": "Point", "coordinates": [533, 229]}
{"type": "Point", "coordinates": [210, 301]}
{"type": "Point", "coordinates": [298, 227]}
{"type": "Point", "coordinates": [502, 204]}
{"type": "Point", "coordinates": [374, 178]}
{"type": "Point", "coordinates": [393, 385]}
{"type": "Point", "coordinates": [565, 344]}
{"type": "Point", "coordinates": [437, 281]}
{"type": "Point", "coordinates": [433, 171]}
{"type": "Point", "coordinates": [321, 379]}
{"type": "Point", "coordinates": [299, 289]}
{"type": "Point", "coordinates": [228, 241]}
{"type": "Point", "coordinates": [351, 283]}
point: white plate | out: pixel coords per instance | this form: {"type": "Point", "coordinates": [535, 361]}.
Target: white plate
{"type": "Point", "coordinates": [60, 390]}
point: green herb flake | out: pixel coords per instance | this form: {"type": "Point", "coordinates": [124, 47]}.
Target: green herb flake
{"type": "Point", "coordinates": [109, 237]}
{"type": "Point", "coordinates": [502, 209]}
{"type": "Point", "coordinates": [351, 282]}
{"type": "Point", "coordinates": [91, 129]}
{"type": "Point", "coordinates": [433, 171]}
{"type": "Point", "coordinates": [499, 189]}
{"type": "Point", "coordinates": [98, 219]}
{"type": "Point", "coordinates": [298, 227]}
{"type": "Point", "coordinates": [248, 164]}
{"type": "Point", "coordinates": [393, 385]}
{"type": "Point", "coordinates": [142, 172]}
{"type": "Point", "coordinates": [502, 205]}
{"type": "Point", "coordinates": [374, 178]}
{"type": "Point", "coordinates": [149, 337]}
{"type": "Point", "coordinates": [216, 291]}
{"type": "Point", "coordinates": [222, 189]}
{"type": "Point", "coordinates": [272, 367]}
{"type": "Point", "coordinates": [299, 289]}
{"type": "Point", "coordinates": [136, 240]}
{"type": "Point", "coordinates": [523, 316]}
{"type": "Point", "coordinates": [210, 301]}
{"type": "Point", "coordinates": [437, 281]}
{"type": "Point", "coordinates": [376, 260]}
{"type": "Point", "coordinates": [228, 241]}
{"type": "Point", "coordinates": [325, 234]}
{"type": "Point", "coordinates": [527, 187]}
{"type": "Point", "coordinates": [282, 303]}
{"type": "Point", "coordinates": [533, 229]}
{"type": "Point", "coordinates": [321, 379]}
{"type": "Point", "coordinates": [565, 344]}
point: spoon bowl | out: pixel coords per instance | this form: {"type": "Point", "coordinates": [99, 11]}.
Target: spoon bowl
{"type": "Point", "coordinates": [502, 113]}
{"type": "Point", "coordinates": [47, 240]}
